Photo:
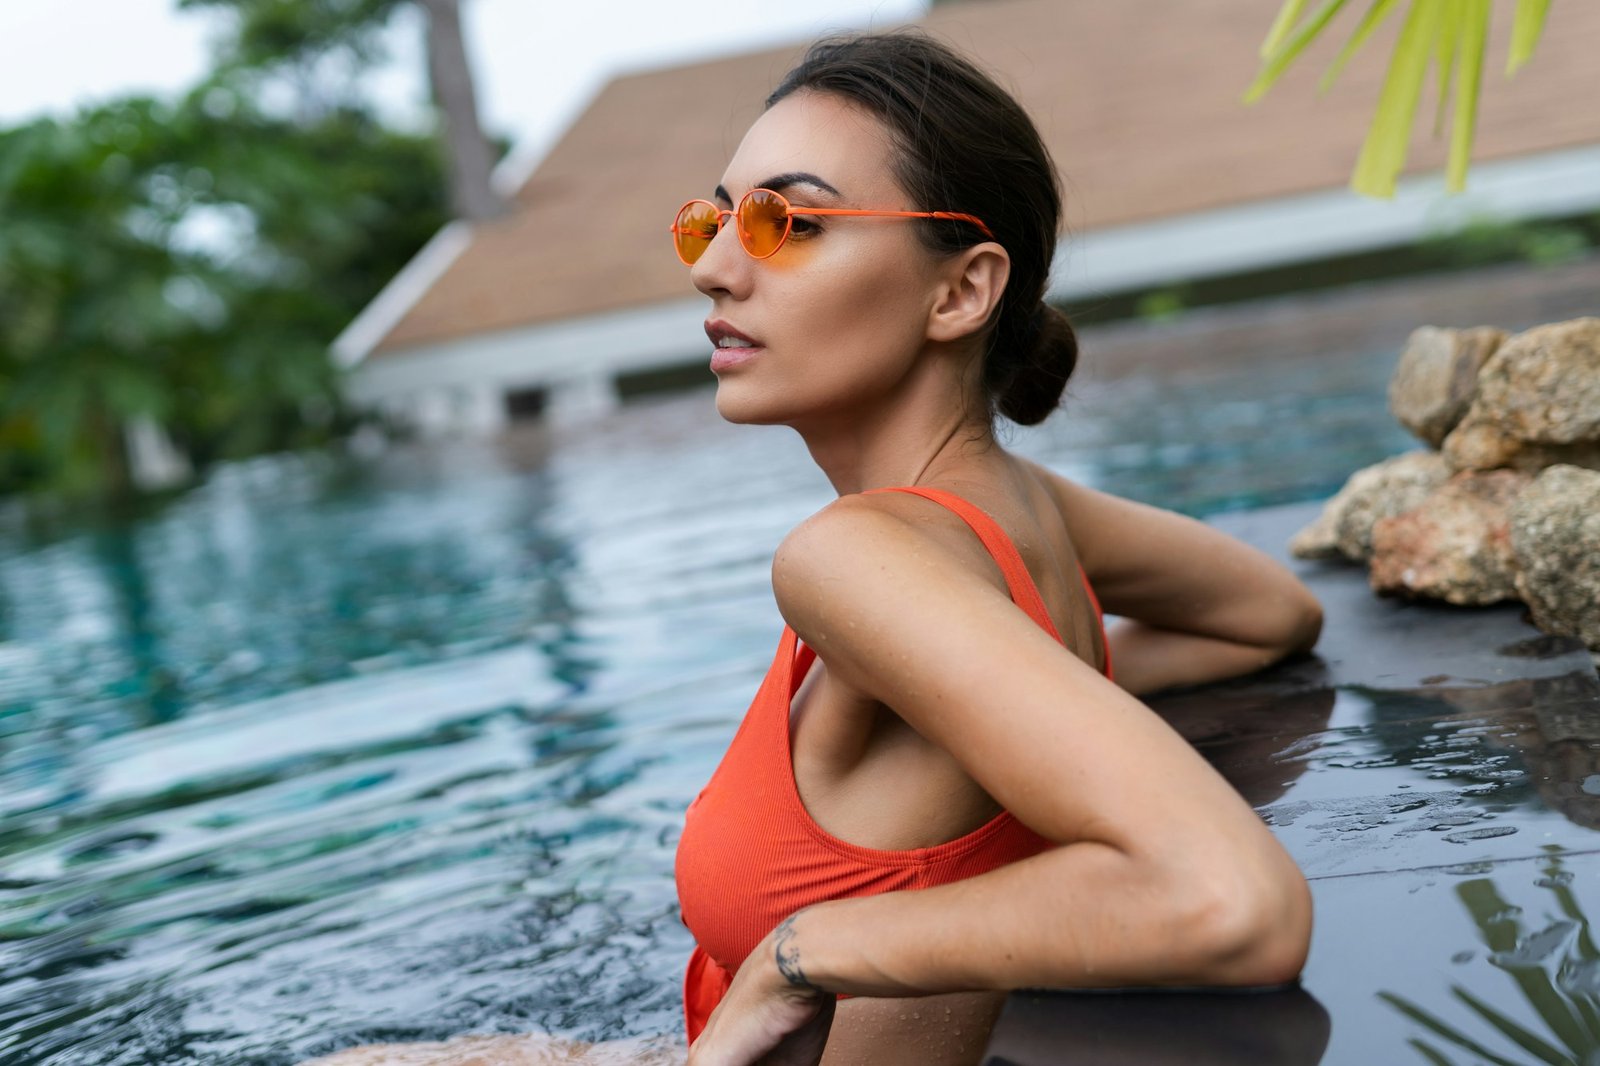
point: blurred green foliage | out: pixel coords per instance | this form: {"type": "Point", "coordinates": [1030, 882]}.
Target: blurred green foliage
{"type": "Point", "coordinates": [271, 31]}
{"type": "Point", "coordinates": [1486, 240]}
{"type": "Point", "coordinates": [188, 262]}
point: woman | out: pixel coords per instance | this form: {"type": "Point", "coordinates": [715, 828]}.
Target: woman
{"type": "Point", "coordinates": [937, 796]}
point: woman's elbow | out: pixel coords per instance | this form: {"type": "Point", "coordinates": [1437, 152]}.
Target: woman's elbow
{"type": "Point", "coordinates": [1261, 934]}
{"type": "Point", "coordinates": [1297, 625]}
{"type": "Point", "coordinates": [1309, 630]}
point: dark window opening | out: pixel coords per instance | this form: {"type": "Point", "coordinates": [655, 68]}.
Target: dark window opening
{"type": "Point", "coordinates": [664, 379]}
{"type": "Point", "coordinates": [524, 404]}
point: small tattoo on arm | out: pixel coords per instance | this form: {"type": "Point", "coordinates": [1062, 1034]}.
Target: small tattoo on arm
{"type": "Point", "coordinates": [788, 953]}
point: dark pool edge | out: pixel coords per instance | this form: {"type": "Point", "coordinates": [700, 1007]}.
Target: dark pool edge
{"type": "Point", "coordinates": [1367, 641]}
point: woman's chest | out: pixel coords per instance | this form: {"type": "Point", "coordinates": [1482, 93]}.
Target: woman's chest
{"type": "Point", "coordinates": [866, 777]}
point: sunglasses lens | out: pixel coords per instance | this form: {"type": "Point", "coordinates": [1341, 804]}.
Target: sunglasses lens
{"type": "Point", "coordinates": [692, 231]}
{"type": "Point", "coordinates": [763, 222]}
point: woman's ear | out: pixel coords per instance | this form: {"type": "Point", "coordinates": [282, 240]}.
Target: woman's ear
{"type": "Point", "coordinates": [968, 287]}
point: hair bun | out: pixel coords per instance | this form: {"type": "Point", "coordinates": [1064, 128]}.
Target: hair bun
{"type": "Point", "coordinates": [1048, 356]}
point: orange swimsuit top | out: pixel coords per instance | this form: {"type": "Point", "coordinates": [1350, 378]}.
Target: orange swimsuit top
{"type": "Point", "coordinates": [750, 855]}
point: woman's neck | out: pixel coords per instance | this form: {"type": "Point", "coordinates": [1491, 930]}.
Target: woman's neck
{"type": "Point", "coordinates": [878, 455]}
{"type": "Point", "coordinates": [919, 432]}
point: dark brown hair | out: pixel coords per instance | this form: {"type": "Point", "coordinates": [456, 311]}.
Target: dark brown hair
{"type": "Point", "coordinates": [964, 144]}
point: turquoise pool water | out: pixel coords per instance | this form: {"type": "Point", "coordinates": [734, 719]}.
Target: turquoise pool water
{"type": "Point", "coordinates": [333, 750]}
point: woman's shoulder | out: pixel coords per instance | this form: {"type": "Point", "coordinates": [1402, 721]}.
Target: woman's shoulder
{"type": "Point", "coordinates": [893, 525]}
{"type": "Point", "coordinates": [884, 524]}
{"type": "Point", "coordinates": [883, 595]}
{"type": "Point", "coordinates": [898, 534]}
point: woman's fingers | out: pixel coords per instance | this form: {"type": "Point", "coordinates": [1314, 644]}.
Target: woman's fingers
{"type": "Point", "coordinates": [778, 1032]}
{"type": "Point", "coordinates": [804, 1046]}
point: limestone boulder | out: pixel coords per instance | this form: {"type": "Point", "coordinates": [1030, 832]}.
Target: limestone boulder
{"type": "Point", "coordinates": [1455, 545]}
{"type": "Point", "coordinates": [1555, 539]}
{"type": "Point", "coordinates": [1437, 378]}
{"type": "Point", "coordinates": [1537, 402]}
{"type": "Point", "coordinates": [1382, 490]}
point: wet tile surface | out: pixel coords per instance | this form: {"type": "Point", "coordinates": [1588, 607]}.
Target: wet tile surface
{"type": "Point", "coordinates": [1436, 772]}
{"type": "Point", "coordinates": [1480, 962]}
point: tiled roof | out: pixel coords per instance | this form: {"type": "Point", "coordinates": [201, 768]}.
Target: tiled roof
{"type": "Point", "coordinates": [1138, 103]}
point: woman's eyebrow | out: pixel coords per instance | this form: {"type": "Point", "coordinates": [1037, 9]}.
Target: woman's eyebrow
{"type": "Point", "coordinates": [780, 182]}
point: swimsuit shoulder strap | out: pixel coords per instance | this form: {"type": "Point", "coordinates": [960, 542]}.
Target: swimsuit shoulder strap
{"type": "Point", "coordinates": [1024, 593]}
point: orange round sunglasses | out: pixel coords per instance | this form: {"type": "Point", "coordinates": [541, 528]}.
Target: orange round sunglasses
{"type": "Point", "coordinates": [765, 218]}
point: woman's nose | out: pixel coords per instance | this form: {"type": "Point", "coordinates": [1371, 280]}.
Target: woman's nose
{"type": "Point", "coordinates": [723, 266]}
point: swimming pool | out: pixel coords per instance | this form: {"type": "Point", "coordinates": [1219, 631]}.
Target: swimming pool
{"type": "Point", "coordinates": [332, 751]}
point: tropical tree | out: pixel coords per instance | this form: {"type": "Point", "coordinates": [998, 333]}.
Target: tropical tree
{"type": "Point", "coordinates": [185, 265]}
{"type": "Point", "coordinates": [306, 37]}
{"type": "Point", "coordinates": [1449, 33]}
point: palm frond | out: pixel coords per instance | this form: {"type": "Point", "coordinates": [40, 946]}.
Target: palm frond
{"type": "Point", "coordinates": [1278, 60]}
{"type": "Point", "coordinates": [1525, 32]}
{"type": "Point", "coordinates": [1288, 15]}
{"type": "Point", "coordinates": [1451, 34]}
{"type": "Point", "coordinates": [1383, 154]}
{"type": "Point", "coordinates": [1375, 14]}
{"type": "Point", "coordinates": [1473, 27]}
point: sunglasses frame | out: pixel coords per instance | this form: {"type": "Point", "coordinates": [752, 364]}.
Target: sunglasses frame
{"type": "Point", "coordinates": [789, 211]}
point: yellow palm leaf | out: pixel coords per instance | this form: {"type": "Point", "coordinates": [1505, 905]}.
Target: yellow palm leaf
{"type": "Point", "coordinates": [1383, 155]}
{"type": "Point", "coordinates": [1474, 36]}
{"type": "Point", "coordinates": [1284, 50]}
{"type": "Point", "coordinates": [1369, 22]}
{"type": "Point", "coordinates": [1288, 15]}
{"type": "Point", "coordinates": [1525, 32]}
{"type": "Point", "coordinates": [1449, 33]}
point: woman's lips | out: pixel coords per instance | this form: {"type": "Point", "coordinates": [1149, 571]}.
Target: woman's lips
{"type": "Point", "coordinates": [723, 358]}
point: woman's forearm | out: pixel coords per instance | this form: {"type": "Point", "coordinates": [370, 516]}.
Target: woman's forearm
{"type": "Point", "coordinates": [1081, 915]}
{"type": "Point", "coordinates": [1146, 658]}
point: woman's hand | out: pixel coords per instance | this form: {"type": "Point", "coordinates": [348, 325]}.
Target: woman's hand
{"type": "Point", "coordinates": [771, 1015]}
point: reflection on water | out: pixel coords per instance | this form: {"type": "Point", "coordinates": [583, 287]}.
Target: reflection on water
{"type": "Point", "coordinates": [1283, 1026]}
{"type": "Point", "coordinates": [1477, 796]}
{"type": "Point", "coordinates": [1535, 741]}
{"type": "Point", "coordinates": [330, 752]}
{"type": "Point", "coordinates": [1546, 1007]}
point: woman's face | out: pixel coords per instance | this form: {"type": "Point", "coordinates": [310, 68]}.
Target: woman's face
{"type": "Point", "coordinates": [838, 315]}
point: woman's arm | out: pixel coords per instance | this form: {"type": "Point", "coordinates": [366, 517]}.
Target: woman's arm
{"type": "Point", "coordinates": [1164, 876]}
{"type": "Point", "coordinates": [1194, 604]}
{"type": "Point", "coordinates": [1149, 659]}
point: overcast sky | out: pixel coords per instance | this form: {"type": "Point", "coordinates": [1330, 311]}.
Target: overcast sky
{"type": "Point", "coordinates": [537, 61]}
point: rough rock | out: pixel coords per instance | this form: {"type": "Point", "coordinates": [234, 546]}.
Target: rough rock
{"type": "Point", "coordinates": [1555, 539]}
{"type": "Point", "coordinates": [1537, 404]}
{"type": "Point", "coordinates": [1437, 377]}
{"type": "Point", "coordinates": [1391, 487]}
{"type": "Point", "coordinates": [1455, 545]}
